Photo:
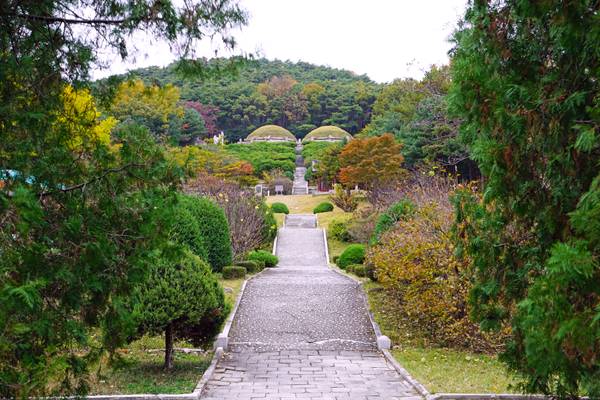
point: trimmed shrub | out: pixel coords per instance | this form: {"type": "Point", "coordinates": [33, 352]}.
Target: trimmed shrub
{"type": "Point", "coordinates": [252, 266]}
{"type": "Point", "coordinates": [335, 259]}
{"type": "Point", "coordinates": [184, 229]}
{"type": "Point", "coordinates": [323, 207]}
{"type": "Point", "coordinates": [280, 208]}
{"type": "Point", "coordinates": [358, 270]}
{"type": "Point", "coordinates": [214, 228]}
{"type": "Point", "coordinates": [339, 230]}
{"type": "Point", "coordinates": [181, 298]}
{"type": "Point", "coordinates": [233, 272]}
{"type": "Point", "coordinates": [354, 254]}
{"type": "Point", "coordinates": [269, 259]}
{"type": "Point", "coordinates": [398, 211]}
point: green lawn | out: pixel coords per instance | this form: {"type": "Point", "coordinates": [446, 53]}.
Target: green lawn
{"type": "Point", "coordinates": [139, 369]}
{"type": "Point", "coordinates": [305, 204]}
{"type": "Point", "coordinates": [439, 370]}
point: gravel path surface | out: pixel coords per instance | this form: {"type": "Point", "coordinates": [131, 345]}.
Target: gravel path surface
{"type": "Point", "coordinates": [302, 331]}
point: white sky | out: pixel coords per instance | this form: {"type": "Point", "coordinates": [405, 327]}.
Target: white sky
{"type": "Point", "coordinates": [386, 39]}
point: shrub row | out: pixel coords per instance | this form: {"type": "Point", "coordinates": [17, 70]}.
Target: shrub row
{"type": "Point", "coordinates": [269, 260]}
{"type": "Point", "coordinates": [233, 272]}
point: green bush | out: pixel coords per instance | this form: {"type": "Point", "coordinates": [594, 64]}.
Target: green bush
{"type": "Point", "coordinates": [233, 272]}
{"type": "Point", "coordinates": [269, 259]}
{"type": "Point", "coordinates": [184, 229]}
{"type": "Point", "coordinates": [252, 266]}
{"type": "Point", "coordinates": [181, 298]}
{"type": "Point", "coordinates": [280, 208]}
{"type": "Point", "coordinates": [354, 254]}
{"type": "Point", "coordinates": [215, 230]}
{"type": "Point", "coordinates": [335, 259]}
{"type": "Point", "coordinates": [358, 270]}
{"type": "Point", "coordinates": [339, 230]}
{"type": "Point", "coordinates": [398, 211]}
{"type": "Point", "coordinates": [269, 230]}
{"type": "Point", "coordinates": [323, 207]}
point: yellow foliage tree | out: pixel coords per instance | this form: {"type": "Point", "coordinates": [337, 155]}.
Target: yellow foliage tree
{"type": "Point", "coordinates": [153, 106]}
{"type": "Point", "coordinates": [80, 121]}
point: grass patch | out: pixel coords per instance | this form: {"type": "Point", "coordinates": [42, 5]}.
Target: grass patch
{"type": "Point", "coordinates": [232, 288]}
{"type": "Point", "coordinates": [440, 370]}
{"type": "Point", "coordinates": [455, 371]}
{"type": "Point", "coordinates": [298, 204]}
{"type": "Point", "coordinates": [140, 371]}
{"type": "Point", "coordinates": [336, 247]}
{"type": "Point", "coordinates": [305, 204]}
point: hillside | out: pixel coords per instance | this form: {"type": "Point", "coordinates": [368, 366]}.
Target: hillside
{"type": "Point", "coordinates": [298, 96]}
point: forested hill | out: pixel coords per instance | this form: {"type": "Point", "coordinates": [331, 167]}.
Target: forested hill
{"type": "Point", "coordinates": [298, 96]}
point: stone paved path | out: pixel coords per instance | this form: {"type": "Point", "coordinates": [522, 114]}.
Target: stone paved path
{"type": "Point", "coordinates": [300, 186]}
{"type": "Point", "coordinates": [302, 331]}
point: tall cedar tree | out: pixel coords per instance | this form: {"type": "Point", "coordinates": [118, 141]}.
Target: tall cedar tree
{"type": "Point", "coordinates": [74, 210]}
{"type": "Point", "coordinates": [526, 82]}
{"type": "Point", "coordinates": [372, 163]}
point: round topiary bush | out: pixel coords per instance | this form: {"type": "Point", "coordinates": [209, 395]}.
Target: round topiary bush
{"type": "Point", "coordinates": [269, 259]}
{"type": "Point", "coordinates": [280, 208]}
{"type": "Point", "coordinates": [323, 207]}
{"type": "Point", "coordinates": [354, 254]}
{"type": "Point", "coordinates": [180, 298]}
{"type": "Point", "coordinates": [214, 228]}
{"type": "Point", "coordinates": [252, 266]}
{"type": "Point", "coordinates": [233, 272]}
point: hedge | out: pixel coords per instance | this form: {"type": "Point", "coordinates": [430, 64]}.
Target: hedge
{"type": "Point", "coordinates": [280, 208]}
{"type": "Point", "coordinates": [354, 254]}
{"type": "Point", "coordinates": [323, 207]}
{"type": "Point", "coordinates": [214, 228]}
{"type": "Point", "coordinates": [252, 266]}
{"type": "Point", "coordinates": [269, 259]}
{"type": "Point", "coordinates": [233, 272]}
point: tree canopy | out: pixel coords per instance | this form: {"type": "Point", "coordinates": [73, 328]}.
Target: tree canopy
{"type": "Point", "coordinates": [297, 96]}
{"type": "Point", "coordinates": [76, 227]}
{"type": "Point", "coordinates": [525, 82]}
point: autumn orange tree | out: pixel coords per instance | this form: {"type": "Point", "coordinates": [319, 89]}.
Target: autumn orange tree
{"type": "Point", "coordinates": [373, 164]}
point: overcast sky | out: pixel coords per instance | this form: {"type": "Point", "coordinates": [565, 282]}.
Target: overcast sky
{"type": "Point", "coordinates": [385, 39]}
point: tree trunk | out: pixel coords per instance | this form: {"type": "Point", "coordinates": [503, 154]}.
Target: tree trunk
{"type": "Point", "coordinates": [169, 347]}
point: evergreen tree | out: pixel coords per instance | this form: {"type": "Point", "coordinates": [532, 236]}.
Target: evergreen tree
{"type": "Point", "coordinates": [75, 203]}
{"type": "Point", "coordinates": [525, 77]}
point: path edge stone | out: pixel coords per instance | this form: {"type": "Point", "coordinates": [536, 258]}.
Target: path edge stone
{"type": "Point", "coordinates": [383, 342]}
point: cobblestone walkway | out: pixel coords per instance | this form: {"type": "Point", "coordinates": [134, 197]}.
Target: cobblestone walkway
{"type": "Point", "coordinates": [302, 332]}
